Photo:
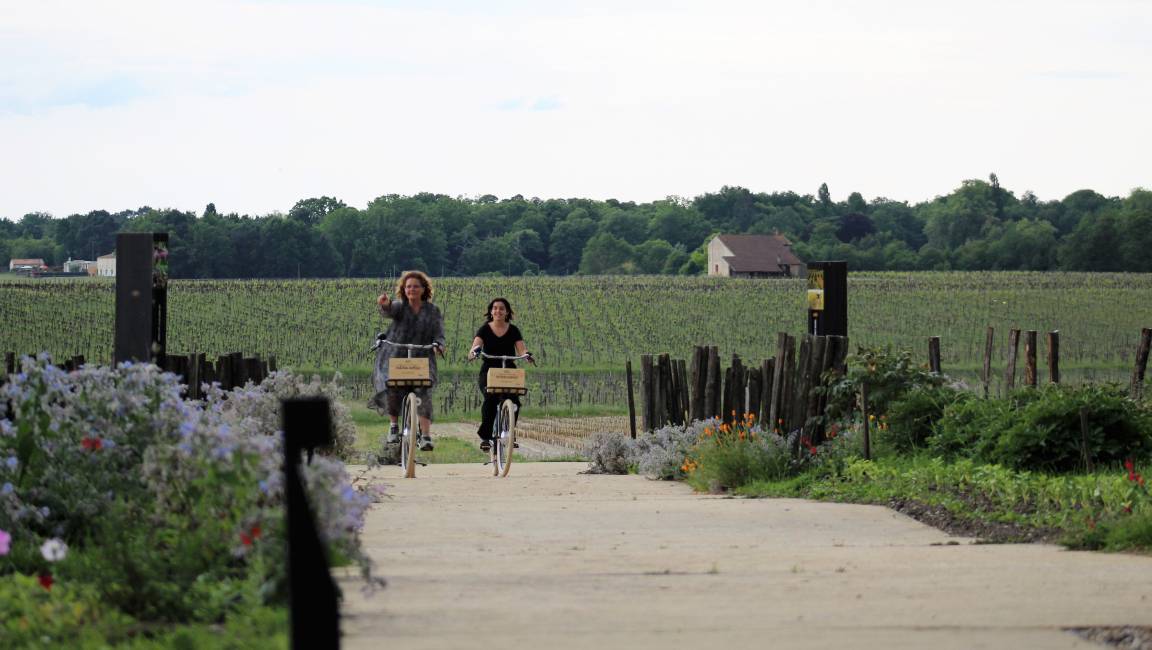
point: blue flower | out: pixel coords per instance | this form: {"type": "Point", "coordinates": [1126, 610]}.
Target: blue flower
{"type": "Point", "coordinates": [12, 462]}
{"type": "Point", "coordinates": [7, 489]}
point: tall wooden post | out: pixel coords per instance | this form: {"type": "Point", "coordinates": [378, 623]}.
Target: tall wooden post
{"type": "Point", "coordinates": [1137, 388]}
{"type": "Point", "coordinates": [141, 297]}
{"type": "Point", "coordinates": [934, 354]}
{"type": "Point", "coordinates": [988, 360]}
{"type": "Point", "coordinates": [1010, 365]}
{"type": "Point", "coordinates": [1030, 375]}
{"type": "Point", "coordinates": [313, 607]}
{"type": "Point", "coordinates": [631, 399]}
{"type": "Point", "coordinates": [1054, 356]}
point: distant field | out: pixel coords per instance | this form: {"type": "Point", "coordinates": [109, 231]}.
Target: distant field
{"type": "Point", "coordinates": [582, 324]}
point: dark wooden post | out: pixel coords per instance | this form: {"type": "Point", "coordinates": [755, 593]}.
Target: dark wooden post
{"type": "Point", "coordinates": [141, 297]}
{"type": "Point", "coordinates": [752, 390]}
{"type": "Point", "coordinates": [1010, 365]}
{"type": "Point", "coordinates": [10, 362]}
{"type": "Point", "coordinates": [934, 354]}
{"type": "Point", "coordinates": [775, 413]}
{"type": "Point", "coordinates": [1137, 388]}
{"type": "Point", "coordinates": [314, 610]}
{"type": "Point", "coordinates": [712, 396]}
{"type": "Point", "coordinates": [767, 371]}
{"type": "Point", "coordinates": [646, 390]}
{"type": "Point", "coordinates": [988, 360]}
{"type": "Point", "coordinates": [699, 372]}
{"type": "Point", "coordinates": [1030, 358]}
{"type": "Point", "coordinates": [1054, 356]}
{"type": "Point", "coordinates": [631, 399]}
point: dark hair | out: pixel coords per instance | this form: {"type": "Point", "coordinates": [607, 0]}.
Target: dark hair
{"type": "Point", "coordinates": [507, 306]}
{"type": "Point", "coordinates": [423, 280]}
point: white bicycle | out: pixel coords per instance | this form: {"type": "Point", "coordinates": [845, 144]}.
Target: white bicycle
{"type": "Point", "coordinates": [506, 382]}
{"type": "Point", "coordinates": [407, 374]}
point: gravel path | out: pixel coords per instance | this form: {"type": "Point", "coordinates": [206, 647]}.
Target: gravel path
{"type": "Point", "coordinates": [553, 558]}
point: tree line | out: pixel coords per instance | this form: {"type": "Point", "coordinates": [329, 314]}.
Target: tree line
{"type": "Point", "coordinates": [978, 226]}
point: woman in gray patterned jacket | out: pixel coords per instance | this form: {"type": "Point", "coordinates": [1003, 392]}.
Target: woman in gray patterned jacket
{"type": "Point", "coordinates": [417, 321]}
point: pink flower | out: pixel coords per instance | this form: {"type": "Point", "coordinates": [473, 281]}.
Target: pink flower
{"type": "Point", "coordinates": [5, 542]}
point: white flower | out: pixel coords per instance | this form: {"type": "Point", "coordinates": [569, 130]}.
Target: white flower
{"type": "Point", "coordinates": [54, 550]}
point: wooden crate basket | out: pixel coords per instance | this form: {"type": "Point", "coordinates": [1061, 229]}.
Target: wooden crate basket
{"type": "Point", "coordinates": [403, 372]}
{"type": "Point", "coordinates": [506, 381]}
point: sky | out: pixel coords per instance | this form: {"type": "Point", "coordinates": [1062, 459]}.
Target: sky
{"type": "Point", "coordinates": [254, 105]}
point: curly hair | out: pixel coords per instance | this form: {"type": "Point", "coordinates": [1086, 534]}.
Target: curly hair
{"type": "Point", "coordinates": [419, 275]}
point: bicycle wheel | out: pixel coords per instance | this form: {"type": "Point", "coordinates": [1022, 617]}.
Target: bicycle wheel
{"type": "Point", "coordinates": [410, 431]}
{"type": "Point", "coordinates": [504, 438]}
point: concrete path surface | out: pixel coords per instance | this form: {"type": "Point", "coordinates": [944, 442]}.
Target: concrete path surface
{"type": "Point", "coordinates": [552, 558]}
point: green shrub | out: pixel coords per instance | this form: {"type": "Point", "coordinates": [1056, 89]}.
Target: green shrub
{"type": "Point", "coordinates": [889, 375]}
{"type": "Point", "coordinates": [911, 419]}
{"type": "Point", "coordinates": [1042, 429]}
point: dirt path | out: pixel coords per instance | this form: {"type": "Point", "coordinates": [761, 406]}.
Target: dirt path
{"type": "Point", "coordinates": [551, 558]}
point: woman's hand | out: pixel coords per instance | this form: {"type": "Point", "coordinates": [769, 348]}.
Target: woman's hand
{"type": "Point", "coordinates": [383, 300]}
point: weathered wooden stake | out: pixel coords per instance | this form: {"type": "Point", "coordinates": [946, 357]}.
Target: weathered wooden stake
{"type": "Point", "coordinates": [988, 360]}
{"type": "Point", "coordinates": [934, 354]}
{"type": "Point", "coordinates": [631, 399]}
{"type": "Point", "coordinates": [1030, 375]}
{"type": "Point", "coordinates": [1138, 371]}
{"type": "Point", "coordinates": [1010, 365]}
{"type": "Point", "coordinates": [1054, 356]}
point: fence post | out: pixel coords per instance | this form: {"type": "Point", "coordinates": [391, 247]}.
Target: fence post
{"type": "Point", "coordinates": [1010, 365]}
{"type": "Point", "coordinates": [1137, 388]}
{"type": "Point", "coordinates": [988, 360]}
{"type": "Point", "coordinates": [646, 391]}
{"type": "Point", "coordinates": [713, 386]}
{"type": "Point", "coordinates": [1030, 376]}
{"type": "Point", "coordinates": [767, 370]}
{"type": "Point", "coordinates": [1054, 356]}
{"type": "Point", "coordinates": [631, 399]}
{"type": "Point", "coordinates": [934, 354]}
{"type": "Point", "coordinates": [314, 609]}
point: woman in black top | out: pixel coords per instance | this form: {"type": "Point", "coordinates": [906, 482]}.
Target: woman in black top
{"type": "Point", "coordinates": [498, 337]}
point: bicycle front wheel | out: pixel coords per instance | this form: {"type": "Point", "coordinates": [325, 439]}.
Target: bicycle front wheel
{"type": "Point", "coordinates": [410, 427]}
{"type": "Point", "coordinates": [504, 438]}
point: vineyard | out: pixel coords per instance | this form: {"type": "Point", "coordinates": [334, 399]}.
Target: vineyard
{"type": "Point", "coordinates": [591, 325]}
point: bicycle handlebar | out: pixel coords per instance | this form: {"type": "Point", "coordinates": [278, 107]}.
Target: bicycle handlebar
{"type": "Point", "coordinates": [381, 340]}
{"type": "Point", "coordinates": [501, 357]}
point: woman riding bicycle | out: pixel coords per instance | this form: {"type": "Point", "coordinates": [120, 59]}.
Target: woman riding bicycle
{"type": "Point", "coordinates": [414, 320]}
{"type": "Point", "coordinates": [498, 336]}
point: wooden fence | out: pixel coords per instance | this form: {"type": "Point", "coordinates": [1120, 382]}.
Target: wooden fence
{"type": "Point", "coordinates": [781, 390]}
{"type": "Point", "coordinates": [231, 370]}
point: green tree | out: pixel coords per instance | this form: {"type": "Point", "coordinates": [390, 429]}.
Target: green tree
{"type": "Point", "coordinates": [567, 242]}
{"type": "Point", "coordinates": [605, 254]}
{"type": "Point", "coordinates": [652, 256]}
{"type": "Point", "coordinates": [312, 211]}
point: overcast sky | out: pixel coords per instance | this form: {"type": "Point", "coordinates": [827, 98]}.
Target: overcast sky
{"type": "Point", "coordinates": [254, 105]}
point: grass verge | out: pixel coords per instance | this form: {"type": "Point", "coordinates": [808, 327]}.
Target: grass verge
{"type": "Point", "coordinates": [1099, 510]}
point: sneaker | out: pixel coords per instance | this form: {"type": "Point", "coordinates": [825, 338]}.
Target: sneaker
{"type": "Point", "coordinates": [426, 443]}
{"type": "Point", "coordinates": [393, 435]}
{"type": "Point", "coordinates": [485, 445]}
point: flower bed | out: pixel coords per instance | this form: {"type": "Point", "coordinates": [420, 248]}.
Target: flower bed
{"type": "Point", "coordinates": [162, 509]}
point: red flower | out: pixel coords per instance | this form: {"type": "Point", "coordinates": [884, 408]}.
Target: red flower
{"type": "Point", "coordinates": [46, 581]}
{"type": "Point", "coordinates": [91, 444]}
{"type": "Point", "coordinates": [245, 539]}
{"type": "Point", "coordinates": [1129, 465]}
{"type": "Point", "coordinates": [255, 531]}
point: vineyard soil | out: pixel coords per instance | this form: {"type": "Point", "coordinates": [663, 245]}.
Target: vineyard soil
{"type": "Point", "coordinates": [551, 557]}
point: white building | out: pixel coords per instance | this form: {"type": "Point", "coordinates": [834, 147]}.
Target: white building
{"type": "Point", "coordinates": [106, 265]}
